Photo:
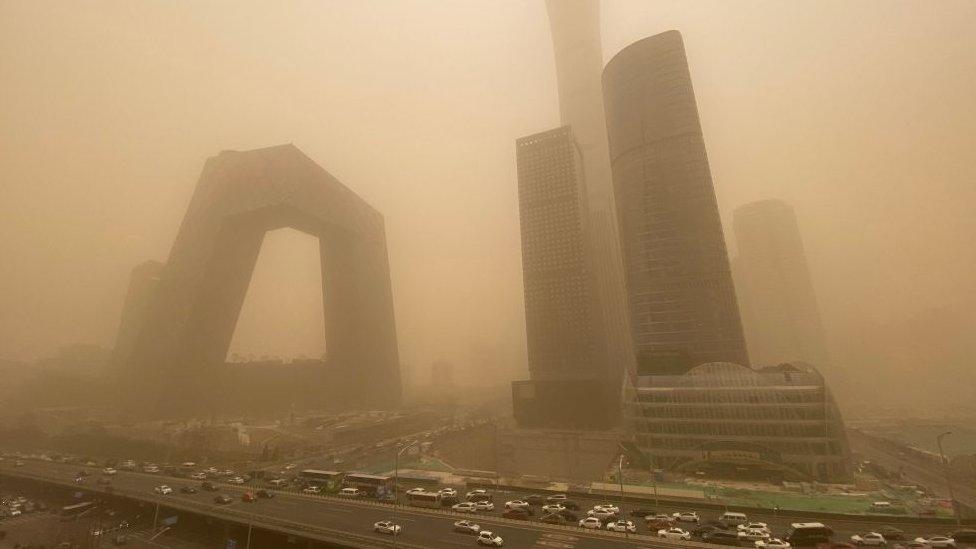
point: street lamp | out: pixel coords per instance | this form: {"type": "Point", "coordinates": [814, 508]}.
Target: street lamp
{"type": "Point", "coordinates": [396, 481]}
{"type": "Point", "coordinates": [620, 479]}
{"type": "Point", "coordinates": [948, 478]}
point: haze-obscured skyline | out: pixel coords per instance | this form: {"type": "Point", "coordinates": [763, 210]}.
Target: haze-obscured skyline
{"type": "Point", "coordinates": [859, 114]}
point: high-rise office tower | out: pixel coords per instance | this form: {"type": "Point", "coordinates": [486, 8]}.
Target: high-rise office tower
{"type": "Point", "coordinates": [683, 308]}
{"type": "Point", "coordinates": [779, 306]}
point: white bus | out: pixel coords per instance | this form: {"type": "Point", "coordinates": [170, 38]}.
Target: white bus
{"type": "Point", "coordinates": [424, 499]}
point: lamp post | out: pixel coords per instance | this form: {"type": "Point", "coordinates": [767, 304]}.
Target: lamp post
{"type": "Point", "coordinates": [396, 491]}
{"type": "Point", "coordinates": [620, 479]}
{"type": "Point", "coordinates": [948, 477]}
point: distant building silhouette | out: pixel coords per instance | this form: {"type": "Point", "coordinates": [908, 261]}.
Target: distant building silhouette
{"type": "Point", "coordinates": [683, 309]}
{"type": "Point", "coordinates": [177, 357]}
{"type": "Point", "coordinates": [779, 306]}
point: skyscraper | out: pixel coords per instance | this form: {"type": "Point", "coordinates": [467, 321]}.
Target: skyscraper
{"type": "Point", "coordinates": [683, 308]}
{"type": "Point", "coordinates": [779, 306]}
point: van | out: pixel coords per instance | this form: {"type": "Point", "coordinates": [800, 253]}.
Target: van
{"type": "Point", "coordinates": [807, 533]}
{"type": "Point", "coordinates": [278, 482]}
{"type": "Point", "coordinates": [729, 518]}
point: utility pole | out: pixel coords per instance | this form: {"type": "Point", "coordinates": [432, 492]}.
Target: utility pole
{"type": "Point", "coordinates": [948, 477]}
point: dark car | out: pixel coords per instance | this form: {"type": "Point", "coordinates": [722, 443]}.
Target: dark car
{"type": "Point", "coordinates": [555, 518]}
{"type": "Point", "coordinates": [188, 490]}
{"type": "Point", "coordinates": [890, 532]}
{"type": "Point", "coordinates": [721, 537]}
{"type": "Point", "coordinates": [570, 504]}
{"type": "Point", "coordinates": [534, 499]}
{"type": "Point", "coordinates": [702, 531]}
{"type": "Point", "coordinates": [264, 494]}
{"type": "Point", "coordinates": [222, 499]}
{"type": "Point", "coordinates": [208, 486]}
{"type": "Point", "coordinates": [519, 513]}
{"type": "Point", "coordinates": [642, 512]}
{"type": "Point", "coordinates": [448, 501]}
{"type": "Point", "coordinates": [568, 515]}
{"type": "Point", "coordinates": [962, 536]}
{"type": "Point", "coordinates": [480, 497]}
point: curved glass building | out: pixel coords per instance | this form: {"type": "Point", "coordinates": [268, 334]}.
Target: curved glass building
{"type": "Point", "coordinates": [778, 422]}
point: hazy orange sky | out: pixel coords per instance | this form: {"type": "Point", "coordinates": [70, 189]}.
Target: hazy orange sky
{"type": "Point", "coordinates": [859, 113]}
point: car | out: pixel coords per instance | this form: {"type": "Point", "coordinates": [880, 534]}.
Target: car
{"type": "Point", "coordinates": [210, 470]}
{"type": "Point", "coordinates": [236, 480]}
{"type": "Point", "coordinates": [208, 486]}
{"type": "Point", "coordinates": [890, 532]}
{"type": "Point", "coordinates": [602, 513]}
{"type": "Point", "coordinates": [641, 512]}
{"type": "Point", "coordinates": [14, 512]}
{"type": "Point", "coordinates": [18, 463]}
{"type": "Point", "coordinates": [516, 504]}
{"type": "Point", "coordinates": [464, 507]}
{"type": "Point", "coordinates": [556, 498]}
{"type": "Point", "coordinates": [486, 537]}
{"type": "Point", "coordinates": [570, 504]}
{"type": "Point", "coordinates": [188, 490]}
{"type": "Point", "coordinates": [869, 538]}
{"type": "Point", "coordinates": [592, 523]}
{"type": "Point", "coordinates": [535, 499]}
{"type": "Point", "coordinates": [961, 536]}
{"type": "Point", "coordinates": [290, 466]}
{"type": "Point", "coordinates": [685, 516]}
{"type": "Point", "coordinates": [732, 518]}
{"type": "Point", "coordinates": [79, 480]}
{"type": "Point", "coordinates": [163, 489]}
{"type": "Point", "coordinates": [753, 534]}
{"type": "Point", "coordinates": [476, 492]}
{"type": "Point", "coordinates": [518, 513]}
{"type": "Point", "coordinates": [199, 476]}
{"type": "Point", "coordinates": [659, 521]}
{"type": "Point", "coordinates": [351, 492]}
{"type": "Point", "coordinates": [674, 534]}
{"type": "Point", "coordinates": [448, 492]}
{"type": "Point", "coordinates": [555, 518]}
{"type": "Point", "coordinates": [386, 527]}
{"type": "Point", "coordinates": [109, 471]}
{"type": "Point", "coordinates": [552, 508]}
{"type": "Point", "coordinates": [248, 497]}
{"type": "Point", "coordinates": [414, 491]}
{"type": "Point", "coordinates": [753, 526]}
{"type": "Point", "coordinates": [466, 527]}
{"type": "Point", "coordinates": [568, 515]}
{"type": "Point", "coordinates": [937, 541]}
{"type": "Point", "coordinates": [264, 494]}
{"type": "Point", "coordinates": [311, 490]}
{"type": "Point", "coordinates": [772, 543]}
{"type": "Point", "coordinates": [607, 506]}
{"type": "Point", "coordinates": [701, 530]}
{"type": "Point", "coordinates": [483, 505]}
{"type": "Point", "coordinates": [722, 537]}
{"type": "Point", "coordinates": [622, 526]}
{"type": "Point", "coordinates": [222, 499]}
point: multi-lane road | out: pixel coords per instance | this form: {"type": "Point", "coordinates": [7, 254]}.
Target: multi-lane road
{"type": "Point", "coordinates": [351, 521]}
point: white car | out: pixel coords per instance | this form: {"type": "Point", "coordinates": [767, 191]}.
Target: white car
{"type": "Point", "coordinates": [311, 490]}
{"type": "Point", "coordinates": [386, 527]}
{"type": "Point", "coordinates": [754, 526]}
{"type": "Point", "coordinates": [109, 471]}
{"type": "Point", "coordinates": [602, 513]}
{"type": "Point", "coordinates": [477, 492]}
{"type": "Point", "coordinates": [448, 492]}
{"type": "Point", "coordinates": [483, 506]}
{"type": "Point", "coordinates": [466, 527]}
{"type": "Point", "coordinates": [937, 541]}
{"type": "Point", "coordinates": [236, 480]}
{"type": "Point", "coordinates": [464, 507]}
{"type": "Point", "coordinates": [199, 476]}
{"type": "Point", "coordinates": [414, 491]}
{"type": "Point", "coordinates": [211, 470]}
{"type": "Point", "coordinates": [163, 489]}
{"type": "Point", "coordinates": [351, 492]}
{"type": "Point", "coordinates": [592, 523]}
{"type": "Point", "coordinates": [516, 504]}
{"type": "Point", "coordinates": [13, 512]}
{"type": "Point", "coordinates": [871, 538]}
{"type": "Point", "coordinates": [556, 498]}
{"type": "Point", "coordinates": [291, 466]}
{"type": "Point", "coordinates": [150, 469]}
{"type": "Point", "coordinates": [772, 543]}
{"type": "Point", "coordinates": [487, 538]}
{"type": "Point", "coordinates": [622, 526]}
{"type": "Point", "coordinates": [674, 534]}
{"type": "Point", "coordinates": [753, 534]}
{"type": "Point", "coordinates": [553, 508]}
{"type": "Point", "coordinates": [685, 516]}
{"type": "Point", "coordinates": [607, 507]}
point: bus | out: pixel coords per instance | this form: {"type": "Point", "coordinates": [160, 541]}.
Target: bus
{"type": "Point", "coordinates": [373, 484]}
{"type": "Point", "coordinates": [329, 480]}
{"type": "Point", "coordinates": [808, 533]}
{"type": "Point", "coordinates": [424, 499]}
{"type": "Point", "coordinates": [69, 512]}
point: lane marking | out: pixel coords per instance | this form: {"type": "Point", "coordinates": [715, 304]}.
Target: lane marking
{"type": "Point", "coordinates": [559, 544]}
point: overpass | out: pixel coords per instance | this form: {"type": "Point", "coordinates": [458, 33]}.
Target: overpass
{"type": "Point", "coordinates": [331, 520]}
